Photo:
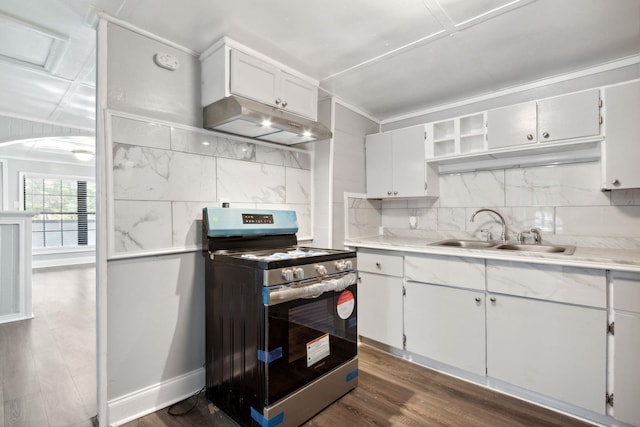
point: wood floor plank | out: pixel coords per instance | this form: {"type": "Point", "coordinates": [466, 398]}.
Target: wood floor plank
{"type": "Point", "coordinates": [395, 392]}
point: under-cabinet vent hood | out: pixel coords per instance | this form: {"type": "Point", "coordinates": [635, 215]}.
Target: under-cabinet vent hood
{"type": "Point", "coordinates": [245, 117]}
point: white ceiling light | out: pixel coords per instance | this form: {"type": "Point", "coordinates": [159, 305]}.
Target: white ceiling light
{"type": "Point", "coordinates": [83, 155]}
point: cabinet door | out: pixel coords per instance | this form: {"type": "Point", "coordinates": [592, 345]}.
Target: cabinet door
{"type": "Point", "coordinates": [253, 78]}
{"type": "Point", "coordinates": [380, 308]}
{"type": "Point", "coordinates": [626, 369]}
{"type": "Point", "coordinates": [569, 116]}
{"type": "Point", "coordinates": [378, 164]}
{"type": "Point", "coordinates": [408, 162]}
{"type": "Point", "coordinates": [513, 125]}
{"type": "Point", "coordinates": [622, 140]}
{"type": "Point", "coordinates": [446, 324]}
{"type": "Point", "coordinates": [555, 349]}
{"type": "Point", "coordinates": [298, 96]}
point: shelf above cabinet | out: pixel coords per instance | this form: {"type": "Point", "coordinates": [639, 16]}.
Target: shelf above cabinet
{"type": "Point", "coordinates": [582, 150]}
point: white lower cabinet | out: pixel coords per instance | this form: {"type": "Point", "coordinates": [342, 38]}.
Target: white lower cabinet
{"type": "Point", "coordinates": [380, 298]}
{"type": "Point", "coordinates": [555, 349]}
{"type": "Point", "coordinates": [541, 328]}
{"type": "Point", "coordinates": [446, 324]}
{"type": "Point", "coordinates": [626, 347]}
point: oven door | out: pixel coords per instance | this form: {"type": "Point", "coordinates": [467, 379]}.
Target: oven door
{"type": "Point", "coordinates": [311, 335]}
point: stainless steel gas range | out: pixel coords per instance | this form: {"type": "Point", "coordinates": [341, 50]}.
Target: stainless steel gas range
{"type": "Point", "coordinates": [281, 319]}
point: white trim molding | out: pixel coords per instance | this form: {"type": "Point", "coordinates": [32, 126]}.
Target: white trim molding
{"type": "Point", "coordinates": [153, 398]}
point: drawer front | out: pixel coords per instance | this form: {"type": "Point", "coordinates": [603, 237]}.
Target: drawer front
{"type": "Point", "coordinates": [572, 285]}
{"type": "Point", "coordinates": [380, 263]}
{"type": "Point", "coordinates": [446, 270]}
{"type": "Point", "coordinates": [626, 292]}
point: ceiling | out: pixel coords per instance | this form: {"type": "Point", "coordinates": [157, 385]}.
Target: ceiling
{"type": "Point", "coordinates": [387, 58]}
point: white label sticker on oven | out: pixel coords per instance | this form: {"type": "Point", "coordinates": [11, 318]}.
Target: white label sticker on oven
{"type": "Point", "coordinates": [317, 349]}
{"type": "Point", "coordinates": [346, 304]}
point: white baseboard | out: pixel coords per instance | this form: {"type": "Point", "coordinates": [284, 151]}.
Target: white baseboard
{"type": "Point", "coordinates": [153, 398]}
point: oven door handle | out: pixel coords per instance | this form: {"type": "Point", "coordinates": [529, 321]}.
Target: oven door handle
{"type": "Point", "coordinates": [273, 296]}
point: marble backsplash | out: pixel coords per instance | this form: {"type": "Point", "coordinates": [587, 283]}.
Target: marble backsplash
{"type": "Point", "coordinates": [563, 201]}
{"type": "Point", "coordinates": [162, 176]}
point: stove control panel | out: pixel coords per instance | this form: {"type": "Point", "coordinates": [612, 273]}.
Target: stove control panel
{"type": "Point", "coordinates": [309, 271]}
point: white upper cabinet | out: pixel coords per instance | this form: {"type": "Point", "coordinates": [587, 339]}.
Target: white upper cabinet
{"type": "Point", "coordinates": [513, 125]}
{"type": "Point", "coordinates": [396, 165]}
{"type": "Point", "coordinates": [622, 141]}
{"type": "Point", "coordinates": [259, 80]}
{"type": "Point", "coordinates": [298, 96]}
{"type": "Point", "coordinates": [576, 115]}
{"type": "Point", "coordinates": [253, 78]}
{"type": "Point", "coordinates": [378, 163]}
{"type": "Point", "coordinates": [227, 70]}
{"type": "Point", "coordinates": [569, 116]}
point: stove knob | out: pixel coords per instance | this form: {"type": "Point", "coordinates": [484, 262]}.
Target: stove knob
{"type": "Point", "coordinates": [298, 273]}
{"type": "Point", "coordinates": [341, 265]}
{"type": "Point", "coordinates": [287, 275]}
{"type": "Point", "coordinates": [321, 270]}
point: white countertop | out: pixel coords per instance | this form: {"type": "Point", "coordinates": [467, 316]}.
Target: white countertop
{"type": "Point", "coordinates": [602, 258]}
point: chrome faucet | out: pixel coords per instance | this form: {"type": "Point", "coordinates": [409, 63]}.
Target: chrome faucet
{"type": "Point", "coordinates": [503, 234]}
{"type": "Point", "coordinates": [534, 232]}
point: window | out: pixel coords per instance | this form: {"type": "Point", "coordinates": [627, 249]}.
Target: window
{"type": "Point", "coordinates": [66, 210]}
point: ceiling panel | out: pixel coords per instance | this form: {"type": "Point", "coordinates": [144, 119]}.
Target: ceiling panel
{"type": "Point", "coordinates": [29, 93]}
{"type": "Point", "coordinates": [463, 11]}
{"type": "Point", "coordinates": [23, 43]}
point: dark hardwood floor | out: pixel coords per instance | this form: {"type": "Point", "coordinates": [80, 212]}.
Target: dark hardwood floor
{"type": "Point", "coordinates": [47, 364]}
{"type": "Point", "coordinates": [394, 392]}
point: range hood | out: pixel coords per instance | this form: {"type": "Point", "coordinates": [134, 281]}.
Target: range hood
{"type": "Point", "coordinates": [241, 116]}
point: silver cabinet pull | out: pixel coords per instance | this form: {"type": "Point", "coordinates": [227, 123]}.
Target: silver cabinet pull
{"type": "Point", "coordinates": [378, 266]}
{"type": "Point", "coordinates": [389, 193]}
{"type": "Point", "coordinates": [530, 137]}
{"type": "Point", "coordinates": [278, 101]}
{"type": "Point", "coordinates": [545, 134]}
{"type": "Point", "coordinates": [492, 299]}
{"type": "Point", "coordinates": [477, 299]}
{"type": "Point", "coordinates": [395, 193]}
{"type": "Point", "coordinates": [615, 181]}
{"type": "Point", "coordinates": [284, 103]}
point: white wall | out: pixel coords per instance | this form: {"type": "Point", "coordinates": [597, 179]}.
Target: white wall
{"type": "Point", "coordinates": [350, 130]}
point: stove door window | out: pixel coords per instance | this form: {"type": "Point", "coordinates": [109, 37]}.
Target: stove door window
{"type": "Point", "coordinates": [312, 338]}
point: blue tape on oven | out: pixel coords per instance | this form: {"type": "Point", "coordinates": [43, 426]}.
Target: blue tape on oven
{"type": "Point", "coordinates": [269, 356]}
{"type": "Point", "coordinates": [274, 421]}
{"type": "Point", "coordinates": [351, 375]}
{"type": "Point", "coordinates": [265, 296]}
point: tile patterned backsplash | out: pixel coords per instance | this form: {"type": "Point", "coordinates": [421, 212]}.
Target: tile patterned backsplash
{"type": "Point", "coordinates": [163, 176]}
{"type": "Point", "coordinates": [563, 201]}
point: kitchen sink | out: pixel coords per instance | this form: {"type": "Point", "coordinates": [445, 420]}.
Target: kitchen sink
{"type": "Point", "coordinates": [567, 250]}
{"type": "Point", "coordinates": [467, 244]}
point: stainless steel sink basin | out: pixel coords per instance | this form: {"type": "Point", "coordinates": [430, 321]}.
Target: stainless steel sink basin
{"type": "Point", "coordinates": [467, 244]}
{"type": "Point", "coordinates": [567, 250]}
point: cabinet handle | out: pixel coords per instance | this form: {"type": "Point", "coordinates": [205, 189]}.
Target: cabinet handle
{"type": "Point", "coordinates": [278, 101]}
{"type": "Point", "coordinates": [492, 299]}
{"type": "Point", "coordinates": [477, 299]}
{"type": "Point", "coordinates": [284, 103]}
{"type": "Point", "coordinates": [530, 137]}
{"type": "Point", "coordinates": [378, 266]}
{"type": "Point", "coordinates": [395, 193]}
{"type": "Point", "coordinates": [389, 193]}
{"type": "Point", "coordinates": [615, 182]}
{"type": "Point", "coordinates": [545, 134]}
